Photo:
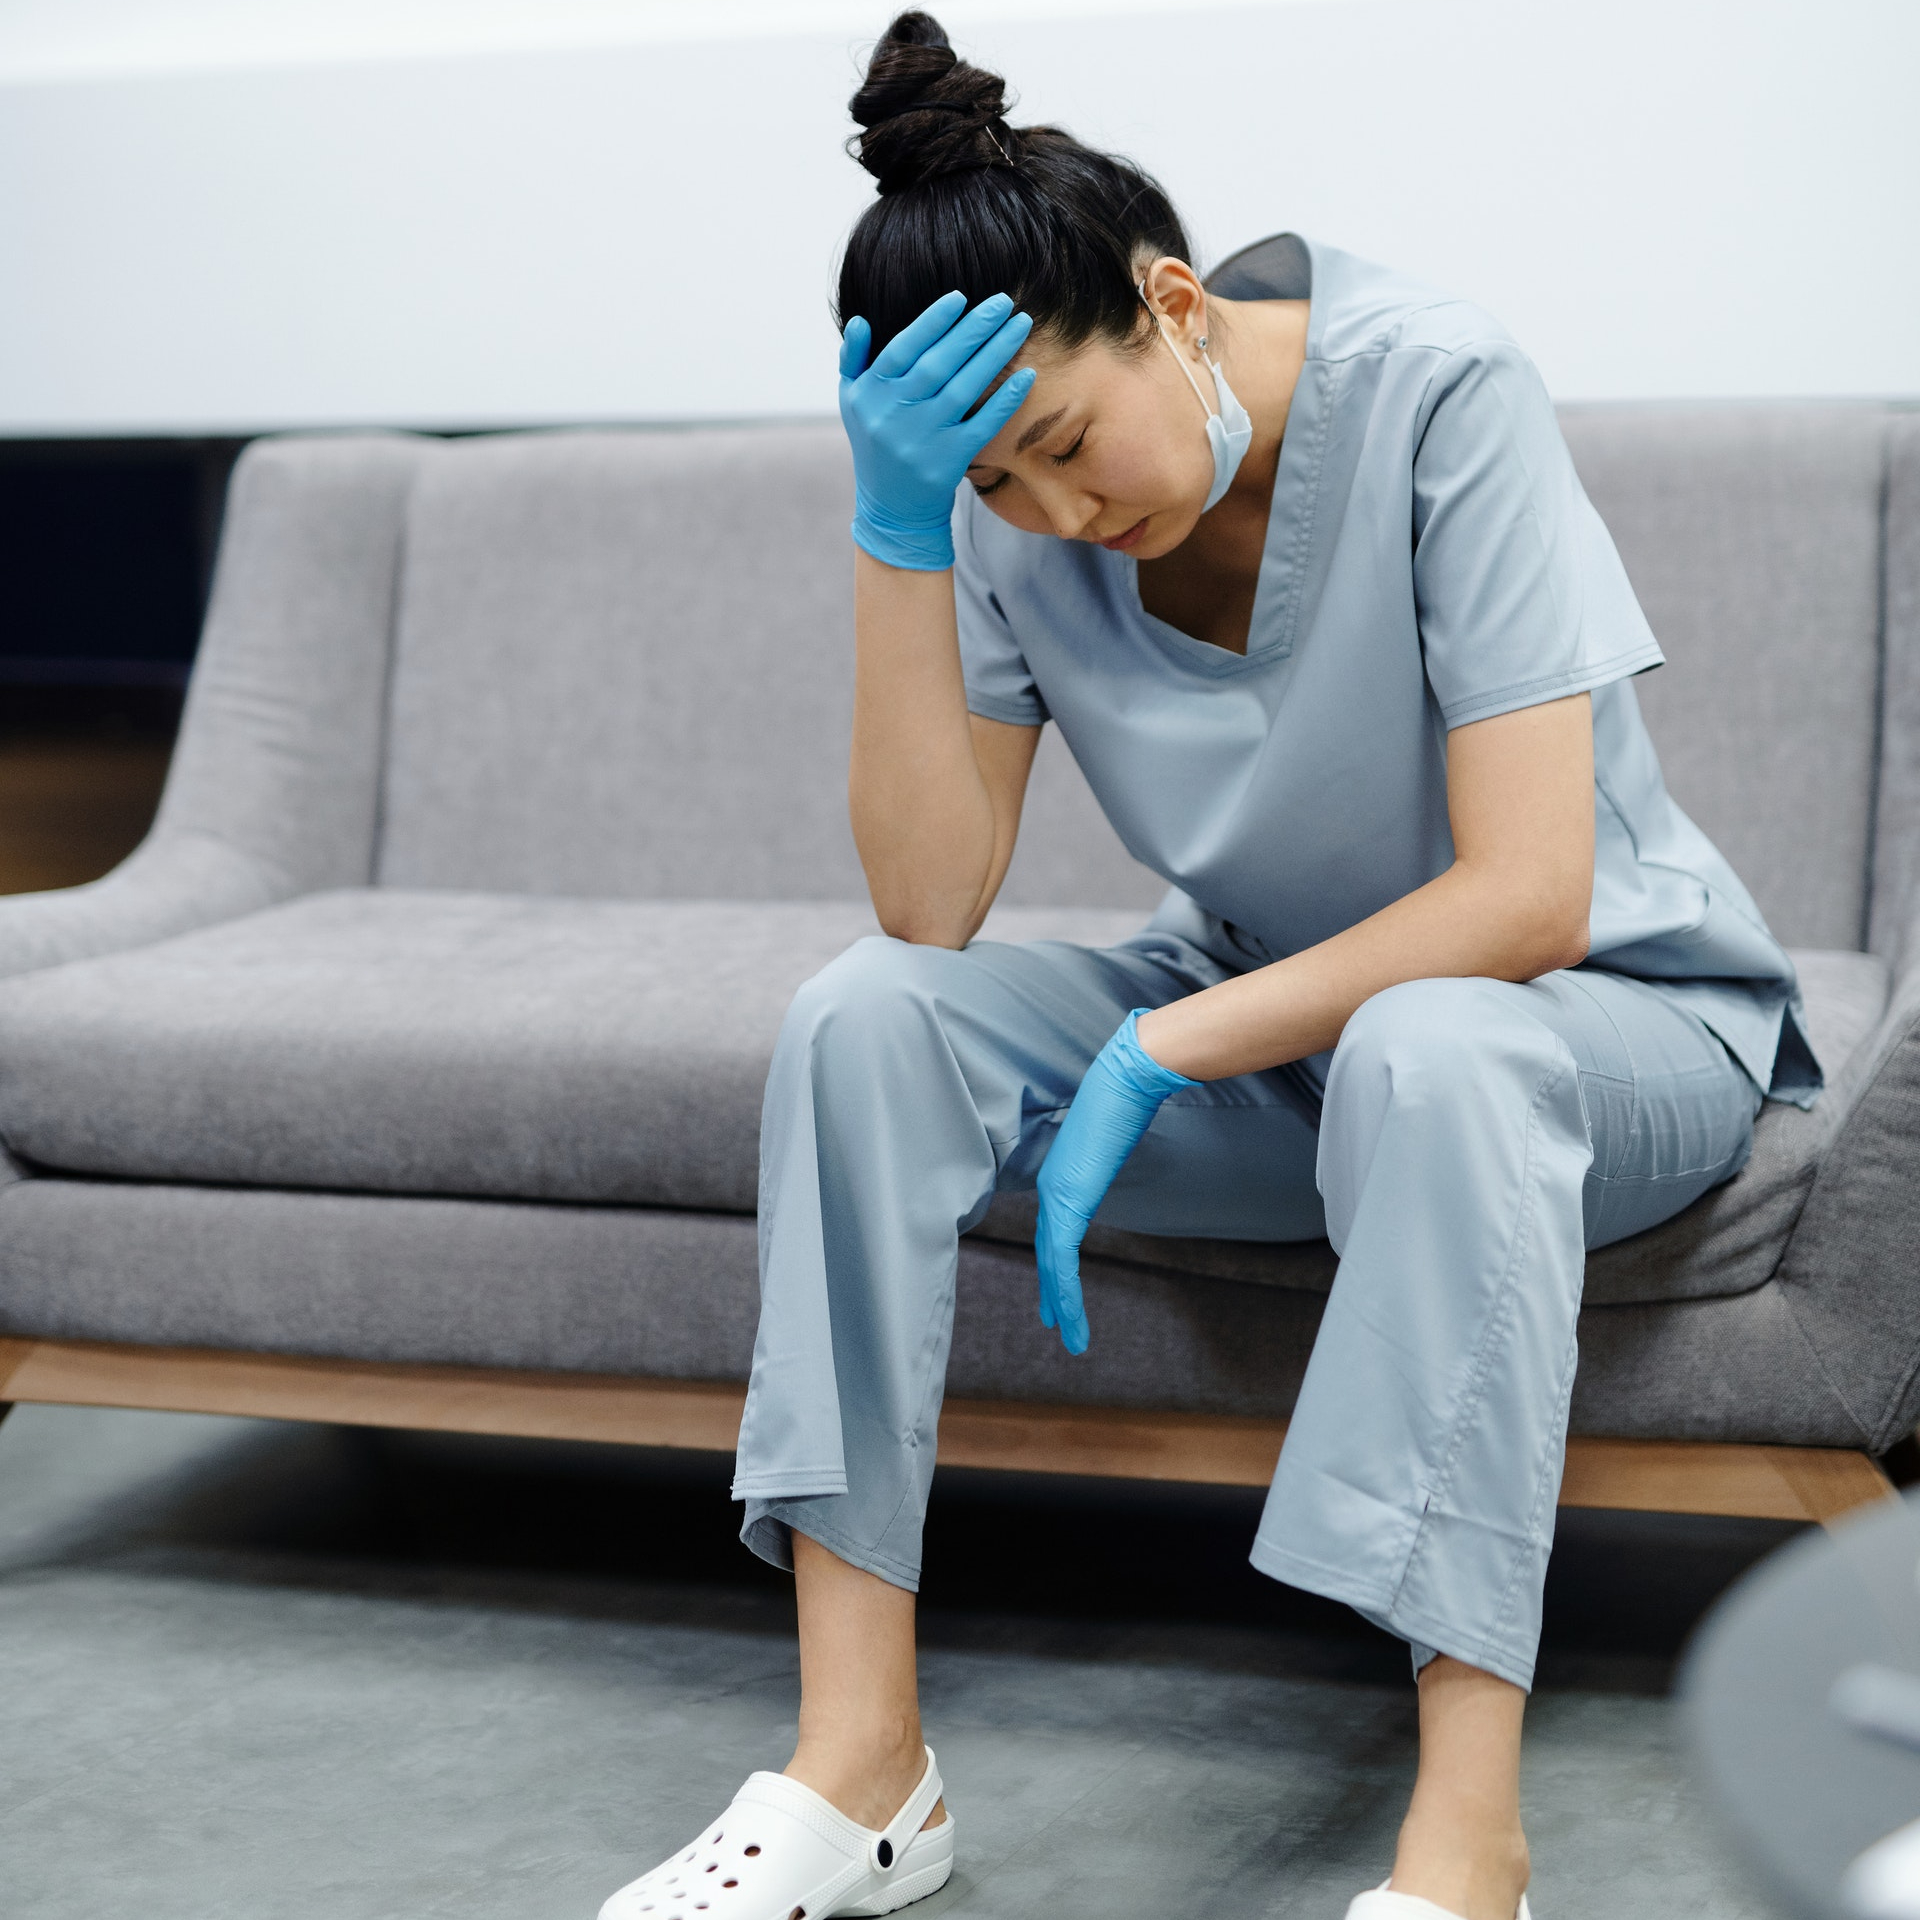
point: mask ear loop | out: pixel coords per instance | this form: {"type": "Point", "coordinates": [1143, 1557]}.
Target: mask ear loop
{"type": "Point", "coordinates": [1140, 287]}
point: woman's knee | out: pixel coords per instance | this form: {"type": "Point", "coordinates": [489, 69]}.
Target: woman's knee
{"type": "Point", "coordinates": [1445, 1044]}
{"type": "Point", "coordinates": [878, 1002]}
{"type": "Point", "coordinates": [1455, 1082]}
{"type": "Point", "coordinates": [1436, 1025]}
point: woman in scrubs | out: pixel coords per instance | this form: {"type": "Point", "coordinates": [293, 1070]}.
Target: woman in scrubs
{"type": "Point", "coordinates": [1297, 562]}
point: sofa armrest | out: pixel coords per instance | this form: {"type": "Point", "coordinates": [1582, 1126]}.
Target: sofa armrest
{"type": "Point", "coordinates": [274, 786]}
{"type": "Point", "coordinates": [1851, 1269]}
{"type": "Point", "coordinates": [172, 883]}
{"type": "Point", "coordinates": [1896, 825]}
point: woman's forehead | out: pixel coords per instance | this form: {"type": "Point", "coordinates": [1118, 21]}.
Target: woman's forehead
{"type": "Point", "coordinates": [1062, 374]}
{"type": "Point", "coordinates": [1067, 382]}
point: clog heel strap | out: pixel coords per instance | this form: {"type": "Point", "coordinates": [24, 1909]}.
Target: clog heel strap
{"type": "Point", "coordinates": [781, 1852]}
{"type": "Point", "coordinates": [893, 1841]}
{"type": "Point", "coordinates": [1383, 1904]}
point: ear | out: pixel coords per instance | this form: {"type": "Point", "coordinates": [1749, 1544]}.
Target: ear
{"type": "Point", "coordinates": [1174, 292]}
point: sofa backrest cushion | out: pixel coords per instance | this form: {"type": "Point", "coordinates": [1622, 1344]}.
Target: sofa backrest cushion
{"type": "Point", "coordinates": [1752, 535]}
{"type": "Point", "coordinates": [624, 667]}
{"type": "Point", "coordinates": [624, 662]}
{"type": "Point", "coordinates": [620, 667]}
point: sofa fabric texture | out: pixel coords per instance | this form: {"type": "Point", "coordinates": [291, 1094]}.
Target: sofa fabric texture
{"type": "Point", "coordinates": [1754, 534]}
{"type": "Point", "coordinates": [689, 738]}
{"type": "Point", "coordinates": [612, 1051]}
{"type": "Point", "coordinates": [660, 1292]}
{"type": "Point", "coordinates": [436, 1043]}
{"type": "Point", "coordinates": [429, 1022]}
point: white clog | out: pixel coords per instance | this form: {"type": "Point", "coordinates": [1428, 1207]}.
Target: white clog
{"type": "Point", "coordinates": [1384, 1904]}
{"type": "Point", "coordinates": [780, 1852]}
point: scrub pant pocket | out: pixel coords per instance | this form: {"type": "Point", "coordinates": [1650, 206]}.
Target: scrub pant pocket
{"type": "Point", "coordinates": [1467, 1142]}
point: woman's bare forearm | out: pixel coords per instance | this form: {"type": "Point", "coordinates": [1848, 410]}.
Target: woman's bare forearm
{"type": "Point", "coordinates": [924, 816]}
{"type": "Point", "coordinates": [1464, 923]}
{"type": "Point", "coordinates": [1514, 905]}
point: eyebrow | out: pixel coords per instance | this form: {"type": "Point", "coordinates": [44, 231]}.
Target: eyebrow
{"type": "Point", "coordinates": [1039, 430]}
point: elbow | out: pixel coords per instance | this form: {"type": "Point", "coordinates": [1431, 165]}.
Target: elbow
{"type": "Point", "coordinates": [1572, 947]}
{"type": "Point", "coordinates": [1538, 934]}
{"type": "Point", "coordinates": [1561, 939]}
{"type": "Point", "coordinates": [924, 930]}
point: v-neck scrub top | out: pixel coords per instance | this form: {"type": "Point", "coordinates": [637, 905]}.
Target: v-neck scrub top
{"type": "Point", "coordinates": [1431, 560]}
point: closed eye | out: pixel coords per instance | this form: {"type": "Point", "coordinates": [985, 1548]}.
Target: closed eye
{"type": "Point", "coordinates": [992, 486]}
{"type": "Point", "coordinates": [1061, 459]}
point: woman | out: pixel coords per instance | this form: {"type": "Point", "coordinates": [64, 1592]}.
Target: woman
{"type": "Point", "coordinates": [1299, 565]}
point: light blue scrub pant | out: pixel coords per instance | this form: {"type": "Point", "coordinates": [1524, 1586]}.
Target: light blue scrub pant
{"type": "Point", "coordinates": [1461, 1147]}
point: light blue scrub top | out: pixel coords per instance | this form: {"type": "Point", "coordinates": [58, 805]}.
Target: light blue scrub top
{"type": "Point", "coordinates": [1431, 560]}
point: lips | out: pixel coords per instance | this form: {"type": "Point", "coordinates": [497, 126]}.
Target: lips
{"type": "Point", "coordinates": [1122, 541]}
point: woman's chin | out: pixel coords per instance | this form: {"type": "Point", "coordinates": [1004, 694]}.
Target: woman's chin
{"type": "Point", "coordinates": [1165, 532]}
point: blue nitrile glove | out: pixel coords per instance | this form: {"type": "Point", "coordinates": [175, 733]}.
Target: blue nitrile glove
{"type": "Point", "coordinates": [906, 416]}
{"type": "Point", "coordinates": [1123, 1090]}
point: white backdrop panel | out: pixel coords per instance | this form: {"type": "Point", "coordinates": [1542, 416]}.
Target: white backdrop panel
{"type": "Point", "coordinates": [1661, 197]}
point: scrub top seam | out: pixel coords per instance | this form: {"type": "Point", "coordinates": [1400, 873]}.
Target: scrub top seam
{"type": "Point", "coordinates": [1308, 517]}
{"type": "Point", "coordinates": [1292, 563]}
{"type": "Point", "coordinates": [1173, 643]}
{"type": "Point", "coordinates": [1516, 451]}
{"type": "Point", "coordinates": [1378, 347]}
{"type": "Point", "coordinates": [1584, 678]}
{"type": "Point", "coordinates": [1732, 905]}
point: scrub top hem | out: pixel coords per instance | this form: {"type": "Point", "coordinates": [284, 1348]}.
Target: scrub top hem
{"type": "Point", "coordinates": [1008, 712]}
{"type": "Point", "coordinates": [1584, 678]}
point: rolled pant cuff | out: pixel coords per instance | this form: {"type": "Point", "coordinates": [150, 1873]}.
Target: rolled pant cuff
{"type": "Point", "coordinates": [769, 1525]}
{"type": "Point", "coordinates": [1426, 1636]}
{"type": "Point", "coordinates": [791, 1483]}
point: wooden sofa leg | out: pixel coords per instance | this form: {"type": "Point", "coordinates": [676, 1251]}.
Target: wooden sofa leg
{"type": "Point", "coordinates": [1817, 1484]}
{"type": "Point", "coordinates": [12, 1354]}
{"type": "Point", "coordinates": [1835, 1484]}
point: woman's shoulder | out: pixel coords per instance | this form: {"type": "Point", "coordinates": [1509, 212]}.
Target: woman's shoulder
{"type": "Point", "coordinates": [1364, 308]}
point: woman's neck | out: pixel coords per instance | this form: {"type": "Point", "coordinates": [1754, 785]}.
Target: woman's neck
{"type": "Point", "coordinates": [1207, 586]}
{"type": "Point", "coordinates": [1261, 346]}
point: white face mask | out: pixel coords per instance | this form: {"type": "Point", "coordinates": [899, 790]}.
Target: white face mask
{"type": "Point", "coordinates": [1229, 430]}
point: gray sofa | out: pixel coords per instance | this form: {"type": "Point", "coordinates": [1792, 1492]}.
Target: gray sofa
{"type": "Point", "coordinates": [429, 1023]}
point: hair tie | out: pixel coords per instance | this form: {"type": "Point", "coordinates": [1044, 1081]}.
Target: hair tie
{"type": "Point", "coordinates": [985, 115]}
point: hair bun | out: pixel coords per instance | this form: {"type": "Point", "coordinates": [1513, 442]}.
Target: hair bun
{"type": "Point", "coordinates": [925, 111]}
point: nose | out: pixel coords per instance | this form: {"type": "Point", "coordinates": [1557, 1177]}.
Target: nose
{"type": "Point", "coordinates": [1070, 511]}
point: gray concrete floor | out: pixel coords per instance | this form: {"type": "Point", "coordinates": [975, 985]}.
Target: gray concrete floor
{"type": "Point", "coordinates": [258, 1670]}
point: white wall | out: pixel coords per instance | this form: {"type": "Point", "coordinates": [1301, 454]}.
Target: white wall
{"type": "Point", "coordinates": [219, 217]}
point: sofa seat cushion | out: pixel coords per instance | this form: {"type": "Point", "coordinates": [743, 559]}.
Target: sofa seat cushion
{"type": "Point", "coordinates": [615, 1051]}
{"type": "Point", "coordinates": [435, 1043]}
{"type": "Point", "coordinates": [1729, 1241]}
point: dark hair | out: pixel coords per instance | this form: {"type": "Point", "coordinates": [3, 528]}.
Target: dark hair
{"type": "Point", "coordinates": [967, 201]}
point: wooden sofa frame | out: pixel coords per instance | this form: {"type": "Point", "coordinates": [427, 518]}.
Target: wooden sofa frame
{"type": "Point", "coordinates": [1812, 1484]}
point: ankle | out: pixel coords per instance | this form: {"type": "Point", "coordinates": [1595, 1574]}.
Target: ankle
{"type": "Point", "coordinates": [868, 1773]}
{"type": "Point", "coordinates": [1464, 1860]}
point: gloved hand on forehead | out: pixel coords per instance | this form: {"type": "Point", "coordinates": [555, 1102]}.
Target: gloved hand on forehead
{"type": "Point", "coordinates": [906, 417]}
{"type": "Point", "coordinates": [1123, 1089]}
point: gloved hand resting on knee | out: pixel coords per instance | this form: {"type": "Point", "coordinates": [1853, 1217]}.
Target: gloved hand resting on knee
{"type": "Point", "coordinates": [909, 422]}
{"type": "Point", "coordinates": [1122, 1091]}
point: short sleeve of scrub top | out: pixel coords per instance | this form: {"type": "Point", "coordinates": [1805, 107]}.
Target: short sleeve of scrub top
{"type": "Point", "coordinates": [999, 683]}
{"type": "Point", "coordinates": [1505, 551]}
